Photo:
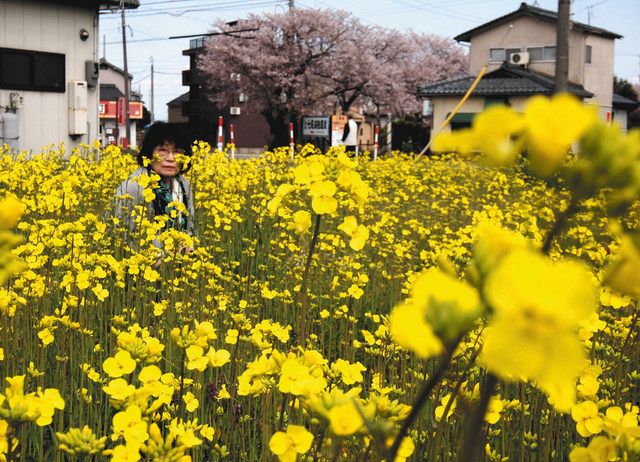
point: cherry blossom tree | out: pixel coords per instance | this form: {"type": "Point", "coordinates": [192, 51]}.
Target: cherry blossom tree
{"type": "Point", "coordinates": [311, 61]}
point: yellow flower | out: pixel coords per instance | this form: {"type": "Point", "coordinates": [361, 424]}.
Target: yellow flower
{"type": "Point", "coordinates": [323, 188]}
{"type": "Point", "coordinates": [495, 131]}
{"type": "Point", "coordinates": [191, 401]}
{"type": "Point", "coordinates": [349, 373]}
{"type": "Point", "coordinates": [538, 305]}
{"type": "Point", "coordinates": [45, 336]}
{"type": "Point", "coordinates": [407, 446]}
{"type": "Point", "coordinates": [344, 419]}
{"type": "Point", "coordinates": [348, 225]}
{"type": "Point", "coordinates": [552, 125]}
{"type": "Point", "coordinates": [298, 379]}
{"type": "Point", "coordinates": [621, 424]}
{"type": "Point", "coordinates": [359, 237]}
{"type": "Point", "coordinates": [218, 358]}
{"type": "Point", "coordinates": [600, 449]}
{"type": "Point", "coordinates": [324, 205]}
{"type": "Point", "coordinates": [441, 306]}
{"type": "Point", "coordinates": [494, 410]}
{"type": "Point", "coordinates": [196, 359]}
{"type": "Point", "coordinates": [11, 209]}
{"type": "Point", "coordinates": [130, 425]}
{"type": "Point", "coordinates": [409, 329]}
{"type": "Point", "coordinates": [287, 445]}
{"type": "Point", "coordinates": [624, 274]}
{"type": "Point", "coordinates": [301, 222]}
{"type": "Point", "coordinates": [150, 374]}
{"type": "Point", "coordinates": [119, 365]}
{"type": "Point", "coordinates": [460, 141]}
{"type": "Point", "coordinates": [444, 402]}
{"type": "Point", "coordinates": [587, 417]}
{"type": "Point", "coordinates": [119, 389]}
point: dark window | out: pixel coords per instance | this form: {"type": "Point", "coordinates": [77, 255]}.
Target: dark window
{"type": "Point", "coordinates": [587, 55]}
{"type": "Point", "coordinates": [499, 100]}
{"type": "Point", "coordinates": [32, 70]}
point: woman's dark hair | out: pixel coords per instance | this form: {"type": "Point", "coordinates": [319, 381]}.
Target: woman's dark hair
{"type": "Point", "coordinates": [160, 133]}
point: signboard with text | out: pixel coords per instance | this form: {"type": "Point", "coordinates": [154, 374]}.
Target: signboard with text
{"type": "Point", "coordinates": [109, 110]}
{"type": "Point", "coordinates": [315, 126]}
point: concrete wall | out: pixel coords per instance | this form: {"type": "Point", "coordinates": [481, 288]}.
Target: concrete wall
{"type": "Point", "coordinates": [109, 76]}
{"type": "Point", "coordinates": [175, 115]}
{"type": "Point", "coordinates": [598, 76]}
{"type": "Point", "coordinates": [39, 26]}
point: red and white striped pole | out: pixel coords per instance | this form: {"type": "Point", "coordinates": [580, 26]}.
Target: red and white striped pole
{"type": "Point", "coordinates": [220, 133]}
{"type": "Point", "coordinates": [375, 143]}
{"type": "Point", "coordinates": [232, 142]}
{"type": "Point", "coordinates": [292, 144]}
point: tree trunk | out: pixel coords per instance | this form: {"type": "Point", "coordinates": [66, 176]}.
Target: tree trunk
{"type": "Point", "coordinates": [279, 128]}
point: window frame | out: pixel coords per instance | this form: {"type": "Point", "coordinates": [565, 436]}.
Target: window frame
{"type": "Point", "coordinates": [31, 85]}
{"type": "Point", "coordinates": [588, 54]}
{"type": "Point", "coordinates": [491, 50]}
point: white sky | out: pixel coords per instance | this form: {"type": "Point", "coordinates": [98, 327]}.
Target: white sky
{"type": "Point", "coordinates": [156, 20]}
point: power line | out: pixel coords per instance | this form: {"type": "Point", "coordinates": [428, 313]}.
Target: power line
{"type": "Point", "coordinates": [177, 12]}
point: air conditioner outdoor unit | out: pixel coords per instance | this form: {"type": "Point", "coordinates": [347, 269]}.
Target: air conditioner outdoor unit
{"type": "Point", "coordinates": [519, 58]}
{"type": "Point", "coordinates": [234, 110]}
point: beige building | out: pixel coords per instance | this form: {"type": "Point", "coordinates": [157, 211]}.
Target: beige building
{"type": "Point", "coordinates": [520, 51]}
{"type": "Point", "coordinates": [49, 71]}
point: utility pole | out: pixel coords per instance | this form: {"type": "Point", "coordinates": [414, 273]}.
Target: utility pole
{"type": "Point", "coordinates": [562, 46]}
{"type": "Point", "coordinates": [152, 93]}
{"type": "Point", "coordinates": [104, 46]}
{"type": "Point", "coordinates": [127, 95]}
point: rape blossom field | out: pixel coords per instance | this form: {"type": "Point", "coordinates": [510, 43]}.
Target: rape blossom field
{"type": "Point", "coordinates": [477, 304]}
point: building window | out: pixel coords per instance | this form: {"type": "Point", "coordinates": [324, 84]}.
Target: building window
{"type": "Point", "coordinates": [549, 53]}
{"type": "Point", "coordinates": [499, 100]}
{"type": "Point", "coordinates": [587, 54]}
{"type": "Point", "coordinates": [497, 55]}
{"type": "Point", "coordinates": [32, 70]}
{"type": "Point", "coordinates": [536, 54]}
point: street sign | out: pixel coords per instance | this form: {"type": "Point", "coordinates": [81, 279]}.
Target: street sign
{"type": "Point", "coordinates": [315, 126]}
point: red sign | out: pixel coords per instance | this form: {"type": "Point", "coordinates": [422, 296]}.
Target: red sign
{"type": "Point", "coordinates": [120, 111]}
{"type": "Point", "coordinates": [110, 110]}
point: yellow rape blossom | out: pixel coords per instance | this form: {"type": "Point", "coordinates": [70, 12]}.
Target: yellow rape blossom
{"type": "Point", "coordinates": [301, 222]}
{"type": "Point", "coordinates": [119, 365]}
{"type": "Point", "coordinates": [287, 445]}
{"type": "Point", "coordinates": [538, 305]}
{"type": "Point", "coordinates": [552, 125]}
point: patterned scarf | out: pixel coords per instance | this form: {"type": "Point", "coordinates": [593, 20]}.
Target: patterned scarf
{"type": "Point", "coordinates": [161, 205]}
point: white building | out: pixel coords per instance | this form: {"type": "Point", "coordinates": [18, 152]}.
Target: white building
{"type": "Point", "coordinates": [111, 109]}
{"type": "Point", "coordinates": [49, 71]}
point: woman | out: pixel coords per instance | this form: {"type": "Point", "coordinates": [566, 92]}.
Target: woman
{"type": "Point", "coordinates": [165, 151]}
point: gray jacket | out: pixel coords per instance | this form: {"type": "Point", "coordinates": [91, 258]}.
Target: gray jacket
{"type": "Point", "coordinates": [131, 187]}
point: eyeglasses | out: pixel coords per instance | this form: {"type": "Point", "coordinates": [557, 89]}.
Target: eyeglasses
{"type": "Point", "coordinates": [164, 152]}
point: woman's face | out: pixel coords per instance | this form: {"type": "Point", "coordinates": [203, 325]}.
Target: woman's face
{"type": "Point", "coordinates": [164, 161]}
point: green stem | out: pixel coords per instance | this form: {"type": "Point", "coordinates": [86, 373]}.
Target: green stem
{"type": "Point", "coordinates": [559, 224]}
{"type": "Point", "coordinates": [421, 399]}
{"type": "Point", "coordinates": [474, 434]}
{"type": "Point", "coordinates": [304, 296]}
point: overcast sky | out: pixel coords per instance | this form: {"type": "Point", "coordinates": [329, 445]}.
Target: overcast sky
{"type": "Point", "coordinates": [156, 20]}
